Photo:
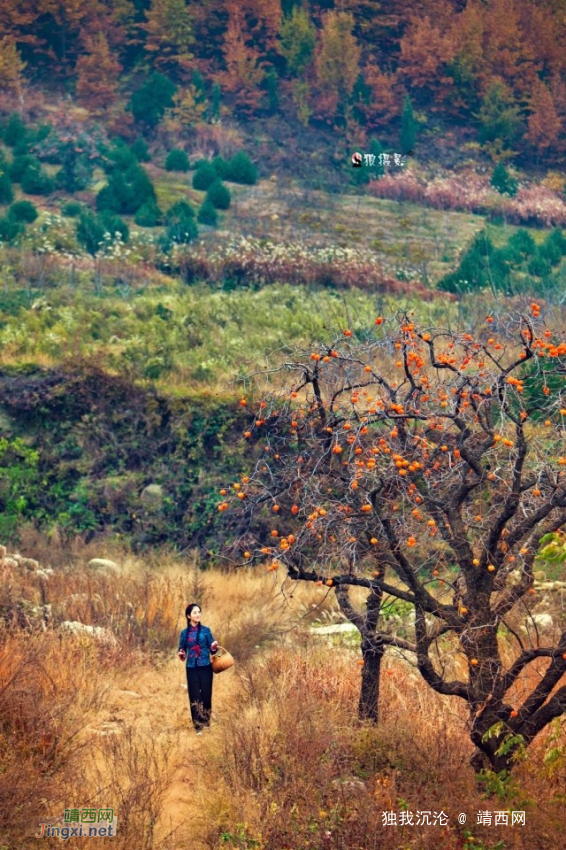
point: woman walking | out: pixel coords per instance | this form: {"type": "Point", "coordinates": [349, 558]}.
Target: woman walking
{"type": "Point", "coordinates": [195, 646]}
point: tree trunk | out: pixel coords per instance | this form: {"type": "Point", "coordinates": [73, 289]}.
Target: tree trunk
{"type": "Point", "coordinates": [368, 707]}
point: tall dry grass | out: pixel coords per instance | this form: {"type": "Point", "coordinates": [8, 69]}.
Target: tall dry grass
{"type": "Point", "coordinates": [286, 765]}
{"type": "Point", "coordinates": [293, 768]}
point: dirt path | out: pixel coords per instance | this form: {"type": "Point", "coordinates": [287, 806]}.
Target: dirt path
{"type": "Point", "coordinates": [155, 703]}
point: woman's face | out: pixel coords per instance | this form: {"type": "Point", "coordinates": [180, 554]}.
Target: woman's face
{"type": "Point", "coordinates": [194, 616]}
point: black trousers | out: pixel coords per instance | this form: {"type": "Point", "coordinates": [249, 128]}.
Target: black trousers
{"type": "Point", "coordinates": [199, 683]}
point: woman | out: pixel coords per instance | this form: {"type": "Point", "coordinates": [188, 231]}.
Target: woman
{"type": "Point", "coordinates": [195, 645]}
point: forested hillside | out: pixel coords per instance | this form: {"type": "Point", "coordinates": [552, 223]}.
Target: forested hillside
{"type": "Point", "coordinates": [495, 69]}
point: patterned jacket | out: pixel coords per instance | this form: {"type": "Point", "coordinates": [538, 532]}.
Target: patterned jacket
{"type": "Point", "coordinates": [198, 654]}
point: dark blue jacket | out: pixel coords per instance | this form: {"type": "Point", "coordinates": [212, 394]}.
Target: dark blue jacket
{"type": "Point", "coordinates": [198, 655]}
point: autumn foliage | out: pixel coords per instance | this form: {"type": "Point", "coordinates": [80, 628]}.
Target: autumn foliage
{"type": "Point", "coordinates": [349, 66]}
{"type": "Point", "coordinates": [424, 465]}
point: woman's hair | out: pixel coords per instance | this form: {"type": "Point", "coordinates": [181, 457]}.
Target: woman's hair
{"type": "Point", "coordinates": [189, 608]}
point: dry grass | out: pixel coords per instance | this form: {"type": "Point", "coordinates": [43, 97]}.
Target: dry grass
{"type": "Point", "coordinates": [286, 764]}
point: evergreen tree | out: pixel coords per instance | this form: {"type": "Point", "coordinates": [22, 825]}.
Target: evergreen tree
{"type": "Point", "coordinates": [272, 86]}
{"type": "Point", "coordinates": [204, 176]}
{"type": "Point", "coordinates": [15, 130]}
{"type": "Point", "coordinates": [19, 166]}
{"type": "Point", "coordinates": [376, 148]}
{"type": "Point", "coordinates": [36, 181]}
{"type": "Point", "coordinates": [126, 191]}
{"type": "Point", "coordinates": [23, 211]}
{"type": "Point", "coordinates": [6, 191]}
{"type": "Point", "coordinates": [240, 169]}
{"type": "Point", "coordinates": [177, 160]}
{"type": "Point", "coordinates": [90, 232]}
{"type": "Point", "coordinates": [148, 215]}
{"type": "Point", "coordinates": [181, 225]}
{"type": "Point", "coordinates": [215, 103]}
{"type": "Point", "coordinates": [10, 229]}
{"type": "Point", "coordinates": [219, 195]}
{"type": "Point", "coordinates": [140, 150]}
{"type": "Point", "coordinates": [207, 214]}
{"type": "Point", "coordinates": [408, 127]}
{"type": "Point", "coordinates": [149, 102]}
{"type": "Point", "coordinates": [502, 181]}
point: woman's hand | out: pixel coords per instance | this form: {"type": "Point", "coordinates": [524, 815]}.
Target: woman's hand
{"type": "Point", "coordinates": [181, 655]}
{"type": "Point", "coordinates": [214, 646]}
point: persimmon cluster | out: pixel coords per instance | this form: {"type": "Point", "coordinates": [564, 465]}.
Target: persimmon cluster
{"type": "Point", "coordinates": [357, 463]}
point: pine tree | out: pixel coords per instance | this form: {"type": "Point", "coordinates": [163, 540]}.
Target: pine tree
{"type": "Point", "coordinates": [502, 181]}
{"type": "Point", "coordinates": [272, 86]}
{"type": "Point", "coordinates": [170, 35]}
{"type": "Point", "coordinates": [408, 127]}
{"type": "Point", "coordinates": [152, 99]}
{"type": "Point", "coordinates": [215, 103]}
{"type": "Point", "coordinates": [98, 72]}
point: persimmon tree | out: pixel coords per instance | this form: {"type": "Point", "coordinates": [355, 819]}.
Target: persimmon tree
{"type": "Point", "coordinates": [424, 465]}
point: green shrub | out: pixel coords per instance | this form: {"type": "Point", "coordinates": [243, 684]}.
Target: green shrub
{"type": "Point", "coordinates": [523, 243]}
{"type": "Point", "coordinates": [177, 160]}
{"type": "Point", "coordinates": [71, 209]}
{"type": "Point", "coordinates": [207, 214]}
{"type": "Point", "coordinates": [539, 265]}
{"type": "Point", "coordinates": [181, 225]}
{"type": "Point", "coordinates": [119, 157]}
{"type": "Point", "coordinates": [36, 181]}
{"type": "Point", "coordinates": [554, 247]}
{"type": "Point", "coordinates": [126, 191]}
{"type": "Point", "coordinates": [6, 191]}
{"type": "Point", "coordinates": [502, 181]}
{"type": "Point", "coordinates": [218, 195]}
{"type": "Point", "coordinates": [220, 166]}
{"type": "Point", "coordinates": [148, 215]}
{"type": "Point", "coordinates": [23, 211]}
{"type": "Point", "coordinates": [9, 229]}
{"type": "Point", "coordinates": [90, 232]}
{"type": "Point", "coordinates": [113, 224]}
{"type": "Point", "coordinates": [42, 132]}
{"type": "Point", "coordinates": [479, 268]}
{"type": "Point", "coordinates": [14, 131]}
{"type": "Point", "coordinates": [21, 148]}
{"type": "Point", "coordinates": [141, 150]}
{"type": "Point", "coordinates": [241, 169]}
{"type": "Point", "coordinates": [149, 102]}
{"type": "Point", "coordinates": [204, 177]}
{"type": "Point", "coordinates": [20, 165]}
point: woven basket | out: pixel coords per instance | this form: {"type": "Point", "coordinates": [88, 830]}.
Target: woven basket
{"type": "Point", "coordinates": [222, 660]}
